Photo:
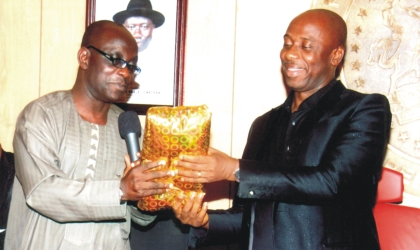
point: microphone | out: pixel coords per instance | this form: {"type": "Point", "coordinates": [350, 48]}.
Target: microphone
{"type": "Point", "coordinates": [130, 131]}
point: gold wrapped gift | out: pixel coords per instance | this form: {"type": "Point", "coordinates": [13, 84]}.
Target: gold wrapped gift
{"type": "Point", "coordinates": [168, 133]}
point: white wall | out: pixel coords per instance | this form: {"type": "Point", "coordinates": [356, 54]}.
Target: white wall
{"type": "Point", "coordinates": [232, 62]}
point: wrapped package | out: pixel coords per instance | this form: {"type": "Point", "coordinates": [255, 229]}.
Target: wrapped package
{"type": "Point", "coordinates": [170, 131]}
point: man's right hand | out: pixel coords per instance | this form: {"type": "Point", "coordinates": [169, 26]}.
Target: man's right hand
{"type": "Point", "coordinates": [138, 182]}
{"type": "Point", "coordinates": [215, 166]}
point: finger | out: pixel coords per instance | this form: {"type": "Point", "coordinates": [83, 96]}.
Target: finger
{"type": "Point", "coordinates": [194, 180]}
{"type": "Point", "coordinates": [156, 176]}
{"type": "Point", "coordinates": [188, 165]}
{"type": "Point", "coordinates": [147, 189]}
{"type": "Point", "coordinates": [145, 193]}
{"type": "Point", "coordinates": [143, 172]}
{"type": "Point", "coordinates": [192, 173]}
{"type": "Point", "coordinates": [127, 160]}
{"type": "Point", "coordinates": [155, 191]}
{"type": "Point", "coordinates": [186, 210]}
{"type": "Point", "coordinates": [203, 210]}
{"type": "Point", "coordinates": [193, 159]}
{"type": "Point", "coordinates": [154, 164]}
{"type": "Point", "coordinates": [197, 205]}
{"type": "Point", "coordinates": [127, 164]}
{"type": "Point", "coordinates": [201, 218]}
{"type": "Point", "coordinates": [188, 158]}
{"type": "Point", "coordinates": [152, 185]}
{"type": "Point", "coordinates": [177, 204]}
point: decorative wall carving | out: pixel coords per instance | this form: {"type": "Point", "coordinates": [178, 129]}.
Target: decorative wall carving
{"type": "Point", "coordinates": [383, 56]}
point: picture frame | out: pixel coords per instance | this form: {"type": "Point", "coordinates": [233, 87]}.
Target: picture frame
{"type": "Point", "coordinates": [162, 61]}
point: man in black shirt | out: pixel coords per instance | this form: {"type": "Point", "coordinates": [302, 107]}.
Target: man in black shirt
{"type": "Point", "coordinates": [308, 175]}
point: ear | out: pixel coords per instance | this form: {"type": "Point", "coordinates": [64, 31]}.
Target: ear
{"type": "Point", "coordinates": [337, 56]}
{"type": "Point", "coordinates": [83, 56]}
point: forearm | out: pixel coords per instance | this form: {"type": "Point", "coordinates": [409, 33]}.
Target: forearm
{"type": "Point", "coordinates": [223, 229]}
{"type": "Point", "coordinates": [67, 200]}
{"type": "Point", "coordinates": [337, 155]}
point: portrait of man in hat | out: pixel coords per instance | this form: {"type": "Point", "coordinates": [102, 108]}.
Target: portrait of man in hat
{"type": "Point", "coordinates": [140, 19]}
{"type": "Point", "coordinates": [153, 23]}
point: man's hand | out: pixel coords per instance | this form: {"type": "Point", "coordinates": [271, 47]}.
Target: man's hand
{"type": "Point", "coordinates": [138, 182]}
{"type": "Point", "coordinates": [215, 166]}
{"type": "Point", "coordinates": [193, 212]}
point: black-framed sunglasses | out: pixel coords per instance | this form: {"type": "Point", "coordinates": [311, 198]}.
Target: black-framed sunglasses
{"type": "Point", "coordinates": [118, 62]}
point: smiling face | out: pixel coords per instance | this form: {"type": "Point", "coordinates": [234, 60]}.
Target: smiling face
{"type": "Point", "coordinates": [311, 52]}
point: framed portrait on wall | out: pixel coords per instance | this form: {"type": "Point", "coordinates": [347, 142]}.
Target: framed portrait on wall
{"type": "Point", "coordinates": [159, 29]}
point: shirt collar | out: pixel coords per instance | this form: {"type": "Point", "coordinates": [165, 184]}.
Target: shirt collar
{"type": "Point", "coordinates": [311, 101]}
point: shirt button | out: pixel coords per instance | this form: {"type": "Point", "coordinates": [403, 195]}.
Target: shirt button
{"type": "Point", "coordinates": [118, 175]}
{"type": "Point", "coordinates": [288, 148]}
{"type": "Point", "coordinates": [251, 193]}
{"type": "Point", "coordinates": [293, 123]}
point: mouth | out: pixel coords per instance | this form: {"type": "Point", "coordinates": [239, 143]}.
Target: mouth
{"type": "Point", "coordinates": [139, 40]}
{"type": "Point", "coordinates": [121, 86]}
{"type": "Point", "coordinates": [293, 71]}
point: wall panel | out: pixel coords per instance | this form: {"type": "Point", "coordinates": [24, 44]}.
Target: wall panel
{"type": "Point", "coordinates": [62, 33]}
{"type": "Point", "coordinates": [19, 61]}
{"type": "Point", "coordinates": [209, 65]}
{"type": "Point", "coordinates": [258, 86]}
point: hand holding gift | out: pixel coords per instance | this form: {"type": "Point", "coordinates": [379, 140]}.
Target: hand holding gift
{"type": "Point", "coordinates": [215, 166]}
{"type": "Point", "coordinates": [191, 210]}
{"type": "Point", "coordinates": [138, 181]}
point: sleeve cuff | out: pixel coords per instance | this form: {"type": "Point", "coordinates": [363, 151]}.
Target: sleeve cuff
{"type": "Point", "coordinates": [197, 236]}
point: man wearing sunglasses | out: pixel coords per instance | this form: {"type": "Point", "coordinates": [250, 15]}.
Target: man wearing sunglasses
{"type": "Point", "coordinates": [70, 191]}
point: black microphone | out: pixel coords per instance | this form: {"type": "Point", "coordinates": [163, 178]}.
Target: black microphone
{"type": "Point", "coordinates": [130, 131]}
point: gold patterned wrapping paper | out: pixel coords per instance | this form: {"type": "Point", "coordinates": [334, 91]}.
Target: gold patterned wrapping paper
{"type": "Point", "coordinates": [170, 131]}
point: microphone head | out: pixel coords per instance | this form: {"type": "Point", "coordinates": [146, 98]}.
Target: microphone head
{"type": "Point", "coordinates": [128, 122]}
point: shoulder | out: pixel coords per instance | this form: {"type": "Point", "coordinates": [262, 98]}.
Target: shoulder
{"type": "Point", "coordinates": [342, 98]}
{"type": "Point", "coordinates": [357, 98]}
{"type": "Point", "coordinates": [47, 108]}
{"type": "Point", "coordinates": [357, 106]}
{"type": "Point", "coordinates": [51, 101]}
{"type": "Point", "coordinates": [55, 97]}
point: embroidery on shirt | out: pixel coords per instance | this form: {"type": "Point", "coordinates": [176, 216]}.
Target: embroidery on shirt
{"type": "Point", "coordinates": [94, 141]}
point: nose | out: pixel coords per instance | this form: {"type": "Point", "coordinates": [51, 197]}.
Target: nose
{"type": "Point", "coordinates": [134, 85]}
{"type": "Point", "coordinates": [124, 72]}
{"type": "Point", "coordinates": [289, 53]}
{"type": "Point", "coordinates": [137, 32]}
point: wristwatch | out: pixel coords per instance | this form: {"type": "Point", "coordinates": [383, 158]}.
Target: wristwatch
{"type": "Point", "coordinates": [236, 175]}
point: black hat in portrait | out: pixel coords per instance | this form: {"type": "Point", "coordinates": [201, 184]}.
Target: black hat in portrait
{"type": "Point", "coordinates": [140, 8]}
